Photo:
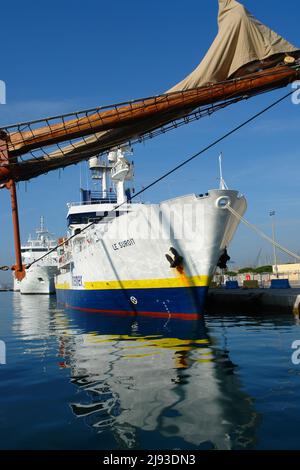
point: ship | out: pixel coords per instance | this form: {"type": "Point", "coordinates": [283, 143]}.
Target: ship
{"type": "Point", "coordinates": [125, 257]}
{"type": "Point", "coordinates": [40, 276]}
{"type": "Point", "coordinates": [111, 262]}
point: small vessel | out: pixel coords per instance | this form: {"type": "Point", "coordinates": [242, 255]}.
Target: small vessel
{"type": "Point", "coordinates": [143, 259]}
{"type": "Point", "coordinates": [39, 278]}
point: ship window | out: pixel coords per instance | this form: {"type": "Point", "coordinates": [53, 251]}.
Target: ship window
{"type": "Point", "coordinates": [84, 218]}
{"type": "Point", "coordinates": [26, 250]}
{"type": "Point", "coordinates": [88, 217]}
{"type": "Point", "coordinates": [35, 250]}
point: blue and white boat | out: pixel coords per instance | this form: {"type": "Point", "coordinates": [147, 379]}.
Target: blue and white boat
{"type": "Point", "coordinates": [145, 259]}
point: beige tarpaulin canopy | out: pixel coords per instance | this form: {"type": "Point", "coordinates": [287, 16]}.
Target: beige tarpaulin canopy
{"type": "Point", "coordinates": [241, 39]}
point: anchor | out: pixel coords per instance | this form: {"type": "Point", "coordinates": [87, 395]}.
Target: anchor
{"type": "Point", "coordinates": [176, 260]}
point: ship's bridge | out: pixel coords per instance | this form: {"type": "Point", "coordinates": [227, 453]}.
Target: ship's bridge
{"type": "Point", "coordinates": [82, 213]}
{"type": "Point", "coordinates": [113, 199]}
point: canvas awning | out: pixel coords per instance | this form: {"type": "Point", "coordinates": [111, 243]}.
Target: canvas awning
{"type": "Point", "coordinates": [241, 40]}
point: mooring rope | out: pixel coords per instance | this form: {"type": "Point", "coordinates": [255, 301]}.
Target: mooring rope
{"type": "Point", "coordinates": [262, 234]}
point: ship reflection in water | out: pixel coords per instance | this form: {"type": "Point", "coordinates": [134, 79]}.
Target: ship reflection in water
{"type": "Point", "coordinates": [155, 376]}
{"type": "Point", "coordinates": [142, 382]}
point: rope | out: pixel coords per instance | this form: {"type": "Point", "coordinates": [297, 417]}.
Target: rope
{"type": "Point", "coordinates": [262, 234]}
{"type": "Point", "coordinates": [173, 170]}
{"type": "Point", "coordinates": [38, 155]}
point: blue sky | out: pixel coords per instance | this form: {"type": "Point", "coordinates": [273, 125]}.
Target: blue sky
{"type": "Point", "coordinates": [61, 56]}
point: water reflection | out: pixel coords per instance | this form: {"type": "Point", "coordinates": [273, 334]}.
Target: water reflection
{"type": "Point", "coordinates": [31, 316]}
{"type": "Point", "coordinates": [142, 382]}
{"type": "Point", "coordinates": [158, 377]}
{"type": "Point", "coordinates": [135, 382]}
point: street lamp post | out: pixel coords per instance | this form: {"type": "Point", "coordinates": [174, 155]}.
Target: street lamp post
{"type": "Point", "coordinates": [272, 214]}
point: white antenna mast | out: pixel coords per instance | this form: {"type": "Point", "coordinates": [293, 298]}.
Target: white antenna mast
{"type": "Point", "coordinates": [80, 176]}
{"type": "Point", "coordinates": [223, 185]}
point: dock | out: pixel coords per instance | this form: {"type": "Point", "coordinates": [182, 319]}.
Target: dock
{"type": "Point", "coordinates": [259, 301]}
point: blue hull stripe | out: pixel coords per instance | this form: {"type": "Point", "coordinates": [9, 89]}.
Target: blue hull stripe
{"type": "Point", "coordinates": [183, 302]}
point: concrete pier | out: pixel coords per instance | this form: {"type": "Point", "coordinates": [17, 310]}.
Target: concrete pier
{"type": "Point", "coordinates": [254, 301]}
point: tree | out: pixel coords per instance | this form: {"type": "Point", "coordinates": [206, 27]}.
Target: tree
{"type": "Point", "coordinates": [246, 270]}
{"type": "Point", "coordinates": [264, 269]}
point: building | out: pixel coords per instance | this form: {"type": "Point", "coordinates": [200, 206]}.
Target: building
{"type": "Point", "coordinates": [289, 270]}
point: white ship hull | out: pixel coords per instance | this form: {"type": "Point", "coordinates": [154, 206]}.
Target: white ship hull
{"type": "Point", "coordinates": [39, 280]}
{"type": "Point", "coordinates": [120, 266]}
{"type": "Point", "coordinates": [17, 284]}
{"type": "Point", "coordinates": [42, 267]}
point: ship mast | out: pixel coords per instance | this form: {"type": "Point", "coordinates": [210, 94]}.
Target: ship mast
{"type": "Point", "coordinates": [122, 170]}
{"type": "Point", "coordinates": [223, 185]}
{"type": "Point", "coordinates": [115, 169]}
{"type": "Point", "coordinates": [100, 170]}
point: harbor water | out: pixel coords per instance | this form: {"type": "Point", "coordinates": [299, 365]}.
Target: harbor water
{"type": "Point", "coordinates": [76, 380]}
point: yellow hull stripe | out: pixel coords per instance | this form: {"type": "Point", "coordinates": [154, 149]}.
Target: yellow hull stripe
{"type": "Point", "coordinates": [180, 281]}
{"type": "Point", "coordinates": [65, 286]}
{"type": "Point", "coordinates": [149, 341]}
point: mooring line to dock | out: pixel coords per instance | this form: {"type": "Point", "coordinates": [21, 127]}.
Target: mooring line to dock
{"type": "Point", "coordinates": [261, 233]}
{"type": "Point", "coordinates": [173, 170]}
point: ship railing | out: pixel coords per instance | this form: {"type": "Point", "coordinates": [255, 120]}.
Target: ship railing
{"type": "Point", "coordinates": [103, 201]}
{"type": "Point", "coordinates": [88, 203]}
{"type": "Point", "coordinates": [64, 259]}
{"type": "Point", "coordinates": [48, 261]}
{"type": "Point", "coordinates": [96, 197]}
{"type": "Point", "coordinates": [40, 244]}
